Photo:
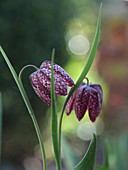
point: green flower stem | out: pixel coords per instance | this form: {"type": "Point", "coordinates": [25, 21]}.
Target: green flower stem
{"type": "Point", "coordinates": [28, 105]}
{"type": "Point", "coordinates": [30, 65]}
{"type": "Point", "coordinates": [87, 81]}
{"type": "Point", "coordinates": [61, 117]}
{"type": "Point", "coordinates": [60, 122]}
{"type": "Point", "coordinates": [60, 126]}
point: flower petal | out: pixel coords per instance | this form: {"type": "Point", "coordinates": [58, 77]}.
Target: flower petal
{"type": "Point", "coordinates": [40, 90]}
{"type": "Point", "coordinates": [100, 95]}
{"type": "Point", "coordinates": [59, 71]}
{"type": "Point", "coordinates": [81, 102]}
{"type": "Point", "coordinates": [93, 104]}
{"type": "Point", "coordinates": [44, 77]}
{"type": "Point", "coordinates": [71, 103]}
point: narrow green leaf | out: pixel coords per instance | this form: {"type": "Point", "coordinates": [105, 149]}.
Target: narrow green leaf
{"type": "Point", "coordinates": [85, 70]}
{"type": "Point", "coordinates": [91, 55]}
{"type": "Point", "coordinates": [87, 163]}
{"type": "Point", "coordinates": [0, 125]}
{"type": "Point", "coordinates": [54, 117]}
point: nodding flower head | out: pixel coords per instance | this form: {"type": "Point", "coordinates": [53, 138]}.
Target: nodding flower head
{"type": "Point", "coordinates": [41, 81]}
{"type": "Point", "coordinates": [86, 97]}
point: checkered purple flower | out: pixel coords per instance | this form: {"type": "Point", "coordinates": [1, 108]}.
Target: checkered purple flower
{"type": "Point", "coordinates": [86, 97]}
{"type": "Point", "coordinates": [41, 81]}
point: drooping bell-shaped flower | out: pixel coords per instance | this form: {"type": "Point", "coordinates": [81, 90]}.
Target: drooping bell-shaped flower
{"type": "Point", "coordinates": [86, 97]}
{"type": "Point", "coordinates": [41, 81]}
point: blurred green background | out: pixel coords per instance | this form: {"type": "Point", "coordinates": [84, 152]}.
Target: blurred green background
{"type": "Point", "coordinates": [28, 32]}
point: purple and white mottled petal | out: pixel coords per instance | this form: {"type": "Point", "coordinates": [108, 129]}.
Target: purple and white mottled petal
{"type": "Point", "coordinates": [44, 77]}
{"type": "Point", "coordinates": [81, 102]}
{"type": "Point", "coordinates": [60, 85]}
{"type": "Point", "coordinates": [93, 104]}
{"type": "Point", "coordinates": [59, 71]}
{"type": "Point", "coordinates": [100, 94]}
{"type": "Point", "coordinates": [40, 90]}
{"type": "Point", "coordinates": [71, 103]}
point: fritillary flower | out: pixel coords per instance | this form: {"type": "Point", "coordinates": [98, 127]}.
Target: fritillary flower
{"type": "Point", "coordinates": [41, 81]}
{"type": "Point", "coordinates": [86, 97]}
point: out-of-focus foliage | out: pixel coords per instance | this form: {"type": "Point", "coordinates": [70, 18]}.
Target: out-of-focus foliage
{"type": "Point", "coordinates": [117, 152]}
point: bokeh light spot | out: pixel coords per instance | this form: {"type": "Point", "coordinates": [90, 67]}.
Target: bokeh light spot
{"type": "Point", "coordinates": [85, 131]}
{"type": "Point", "coordinates": [79, 45]}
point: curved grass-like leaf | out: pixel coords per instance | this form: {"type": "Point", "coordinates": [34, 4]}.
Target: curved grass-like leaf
{"type": "Point", "coordinates": [54, 117]}
{"type": "Point", "coordinates": [87, 163]}
{"type": "Point", "coordinates": [85, 70]}
{"type": "Point", "coordinates": [91, 55]}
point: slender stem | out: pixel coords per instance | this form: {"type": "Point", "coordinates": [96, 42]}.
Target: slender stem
{"type": "Point", "coordinates": [33, 116]}
{"type": "Point", "coordinates": [20, 79]}
{"type": "Point", "coordinates": [60, 124]}
{"type": "Point", "coordinates": [28, 105]}
{"type": "Point", "coordinates": [61, 117]}
{"type": "Point", "coordinates": [21, 71]}
{"type": "Point", "coordinates": [87, 81]}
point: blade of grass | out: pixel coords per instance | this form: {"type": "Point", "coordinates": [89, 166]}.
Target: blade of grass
{"type": "Point", "coordinates": [85, 70]}
{"type": "Point", "coordinates": [0, 125]}
{"type": "Point", "coordinates": [28, 105]}
{"type": "Point", "coordinates": [54, 117]}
